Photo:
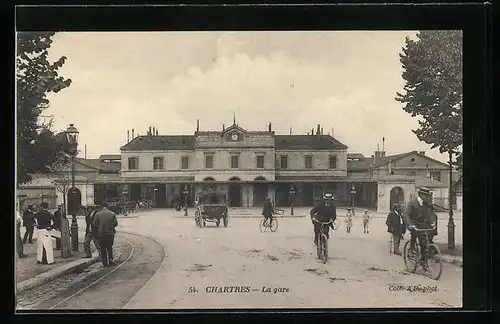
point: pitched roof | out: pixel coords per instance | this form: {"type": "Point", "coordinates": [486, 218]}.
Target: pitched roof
{"type": "Point", "coordinates": [110, 157]}
{"type": "Point", "coordinates": [400, 156]}
{"type": "Point", "coordinates": [362, 164]}
{"type": "Point", "coordinates": [160, 143]}
{"type": "Point", "coordinates": [284, 142]}
{"type": "Point", "coordinates": [106, 167]}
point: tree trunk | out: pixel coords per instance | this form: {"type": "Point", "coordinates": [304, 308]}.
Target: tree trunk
{"type": "Point", "coordinates": [65, 240]}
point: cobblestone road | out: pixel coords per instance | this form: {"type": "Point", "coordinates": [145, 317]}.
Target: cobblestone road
{"type": "Point", "coordinates": [359, 273]}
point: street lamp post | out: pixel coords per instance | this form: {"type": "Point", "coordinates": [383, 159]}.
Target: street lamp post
{"type": "Point", "coordinates": [292, 199]}
{"type": "Point", "coordinates": [451, 223]}
{"type": "Point", "coordinates": [72, 137]}
{"type": "Point", "coordinates": [185, 192]}
{"type": "Point", "coordinates": [353, 192]}
{"type": "Point", "coordinates": [125, 207]}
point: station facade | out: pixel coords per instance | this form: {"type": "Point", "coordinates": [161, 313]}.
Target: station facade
{"type": "Point", "coordinates": [252, 165]}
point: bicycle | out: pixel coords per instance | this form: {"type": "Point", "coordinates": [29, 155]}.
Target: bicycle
{"type": "Point", "coordinates": [264, 224]}
{"type": "Point", "coordinates": [322, 242]}
{"type": "Point", "coordinates": [414, 254]}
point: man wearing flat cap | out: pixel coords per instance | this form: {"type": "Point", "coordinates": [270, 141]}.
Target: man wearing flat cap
{"type": "Point", "coordinates": [419, 214]}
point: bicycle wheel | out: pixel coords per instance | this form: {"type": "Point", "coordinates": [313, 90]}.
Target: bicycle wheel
{"type": "Point", "coordinates": [274, 225]}
{"type": "Point", "coordinates": [262, 225]}
{"type": "Point", "coordinates": [434, 262]}
{"type": "Point", "coordinates": [324, 249]}
{"type": "Point", "coordinates": [318, 247]}
{"type": "Point", "coordinates": [411, 257]}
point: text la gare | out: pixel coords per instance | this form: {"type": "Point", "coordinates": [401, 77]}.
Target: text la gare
{"type": "Point", "coordinates": [275, 290]}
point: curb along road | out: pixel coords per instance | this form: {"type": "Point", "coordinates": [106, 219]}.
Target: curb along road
{"type": "Point", "coordinates": [53, 274]}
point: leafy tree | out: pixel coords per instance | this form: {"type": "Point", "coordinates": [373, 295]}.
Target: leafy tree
{"type": "Point", "coordinates": [432, 69]}
{"type": "Point", "coordinates": [36, 77]}
{"type": "Point", "coordinates": [60, 174]}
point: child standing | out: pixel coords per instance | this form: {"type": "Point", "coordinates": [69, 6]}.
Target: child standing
{"type": "Point", "coordinates": [348, 220]}
{"type": "Point", "coordinates": [366, 219]}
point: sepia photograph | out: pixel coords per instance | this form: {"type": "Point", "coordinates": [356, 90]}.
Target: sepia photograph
{"type": "Point", "coordinates": [238, 170]}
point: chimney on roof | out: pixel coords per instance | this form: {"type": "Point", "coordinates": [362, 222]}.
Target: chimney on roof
{"type": "Point", "coordinates": [157, 132]}
{"type": "Point", "coordinates": [421, 152]}
{"type": "Point", "coordinates": [197, 125]}
{"type": "Point", "coordinates": [377, 155]}
{"type": "Point", "coordinates": [154, 131]}
{"type": "Point", "coordinates": [312, 131]}
{"type": "Point", "coordinates": [128, 136]}
{"type": "Point", "coordinates": [318, 131]}
{"type": "Point", "coordinates": [270, 127]}
{"type": "Point", "coordinates": [223, 127]}
{"type": "Point", "coordinates": [133, 133]}
{"type": "Point", "coordinates": [321, 130]}
{"type": "Point", "coordinates": [290, 131]}
{"type": "Point", "coordinates": [149, 131]}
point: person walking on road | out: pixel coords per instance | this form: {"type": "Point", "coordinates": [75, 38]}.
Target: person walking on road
{"type": "Point", "coordinates": [90, 234]}
{"type": "Point", "coordinates": [104, 224]}
{"type": "Point", "coordinates": [396, 226]}
{"type": "Point", "coordinates": [29, 224]}
{"type": "Point", "coordinates": [366, 221]}
{"type": "Point", "coordinates": [19, 240]}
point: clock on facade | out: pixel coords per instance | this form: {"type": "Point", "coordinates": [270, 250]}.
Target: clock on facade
{"type": "Point", "coordinates": [234, 137]}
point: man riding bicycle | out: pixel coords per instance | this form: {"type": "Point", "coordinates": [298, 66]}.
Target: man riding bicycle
{"type": "Point", "coordinates": [268, 210]}
{"type": "Point", "coordinates": [324, 212]}
{"type": "Point", "coordinates": [419, 214]}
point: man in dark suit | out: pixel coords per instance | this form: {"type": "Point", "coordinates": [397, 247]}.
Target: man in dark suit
{"type": "Point", "coordinates": [420, 215]}
{"type": "Point", "coordinates": [90, 234]}
{"type": "Point", "coordinates": [324, 212]}
{"type": "Point", "coordinates": [29, 223]}
{"type": "Point", "coordinates": [104, 224]}
{"type": "Point", "coordinates": [268, 210]}
{"type": "Point", "coordinates": [396, 226]}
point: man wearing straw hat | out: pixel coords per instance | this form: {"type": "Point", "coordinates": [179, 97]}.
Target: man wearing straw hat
{"type": "Point", "coordinates": [419, 214]}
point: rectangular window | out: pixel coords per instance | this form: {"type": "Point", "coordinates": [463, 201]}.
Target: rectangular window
{"type": "Point", "coordinates": [133, 163]}
{"type": "Point", "coordinates": [284, 162]}
{"type": "Point", "coordinates": [209, 161]}
{"type": "Point", "coordinates": [308, 161]}
{"type": "Point", "coordinates": [333, 162]}
{"type": "Point", "coordinates": [234, 161]}
{"type": "Point", "coordinates": [185, 162]}
{"type": "Point", "coordinates": [260, 162]}
{"type": "Point", "coordinates": [158, 163]}
{"type": "Point", "coordinates": [436, 175]}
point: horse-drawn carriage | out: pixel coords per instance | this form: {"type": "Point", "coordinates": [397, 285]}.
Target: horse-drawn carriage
{"type": "Point", "coordinates": [211, 207]}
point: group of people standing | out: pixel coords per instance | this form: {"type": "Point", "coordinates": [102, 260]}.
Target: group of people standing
{"type": "Point", "coordinates": [44, 221]}
{"type": "Point", "coordinates": [101, 223]}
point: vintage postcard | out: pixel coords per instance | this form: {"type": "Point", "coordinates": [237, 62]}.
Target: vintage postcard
{"type": "Point", "coordinates": [237, 170]}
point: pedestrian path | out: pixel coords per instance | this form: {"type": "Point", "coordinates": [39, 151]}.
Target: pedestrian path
{"type": "Point", "coordinates": [29, 273]}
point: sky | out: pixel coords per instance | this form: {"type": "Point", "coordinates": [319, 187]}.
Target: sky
{"type": "Point", "coordinates": [344, 80]}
